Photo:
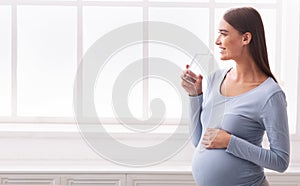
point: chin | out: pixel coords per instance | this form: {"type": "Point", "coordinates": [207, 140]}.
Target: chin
{"type": "Point", "coordinates": [223, 58]}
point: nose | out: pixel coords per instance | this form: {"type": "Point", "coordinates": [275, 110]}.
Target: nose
{"type": "Point", "coordinates": [218, 42]}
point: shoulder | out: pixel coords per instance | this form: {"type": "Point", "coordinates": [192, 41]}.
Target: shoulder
{"type": "Point", "coordinates": [271, 91]}
{"type": "Point", "coordinates": [274, 105]}
{"type": "Point", "coordinates": [215, 78]}
{"type": "Point", "coordinates": [217, 75]}
{"type": "Point", "coordinates": [270, 87]}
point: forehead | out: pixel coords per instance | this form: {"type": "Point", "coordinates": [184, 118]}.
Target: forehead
{"type": "Point", "coordinates": [224, 26]}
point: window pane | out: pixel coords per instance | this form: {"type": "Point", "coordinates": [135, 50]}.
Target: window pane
{"type": "Point", "coordinates": [106, 81]}
{"type": "Point", "coordinates": [46, 60]}
{"type": "Point", "coordinates": [290, 59]}
{"type": "Point", "coordinates": [98, 21]}
{"type": "Point", "coordinates": [269, 21]}
{"type": "Point", "coordinates": [5, 61]}
{"type": "Point", "coordinates": [184, 17]}
{"type": "Point", "coordinates": [168, 93]}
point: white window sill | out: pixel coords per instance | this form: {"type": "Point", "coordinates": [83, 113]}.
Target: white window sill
{"type": "Point", "coordinates": [61, 148]}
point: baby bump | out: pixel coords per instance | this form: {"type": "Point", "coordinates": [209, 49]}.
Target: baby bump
{"type": "Point", "coordinates": [216, 167]}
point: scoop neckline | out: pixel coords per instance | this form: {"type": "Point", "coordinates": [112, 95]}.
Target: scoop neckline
{"type": "Point", "coordinates": [242, 94]}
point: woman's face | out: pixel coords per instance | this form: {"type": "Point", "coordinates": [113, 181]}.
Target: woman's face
{"type": "Point", "coordinates": [230, 41]}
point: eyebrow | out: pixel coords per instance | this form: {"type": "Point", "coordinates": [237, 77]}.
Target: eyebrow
{"type": "Point", "coordinates": [223, 30]}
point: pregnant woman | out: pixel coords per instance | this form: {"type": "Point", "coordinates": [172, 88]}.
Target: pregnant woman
{"type": "Point", "coordinates": [245, 101]}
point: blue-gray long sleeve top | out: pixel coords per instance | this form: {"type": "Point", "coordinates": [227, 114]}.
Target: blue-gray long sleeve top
{"type": "Point", "coordinates": [246, 117]}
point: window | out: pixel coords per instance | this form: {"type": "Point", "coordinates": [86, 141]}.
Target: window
{"type": "Point", "coordinates": [5, 58]}
{"type": "Point", "coordinates": [289, 67]}
{"type": "Point", "coordinates": [42, 43]}
{"type": "Point", "coordinates": [46, 60]}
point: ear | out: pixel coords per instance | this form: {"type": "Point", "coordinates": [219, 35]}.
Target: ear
{"type": "Point", "coordinates": [247, 38]}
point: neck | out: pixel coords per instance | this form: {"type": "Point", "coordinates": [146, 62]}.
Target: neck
{"type": "Point", "coordinates": [247, 71]}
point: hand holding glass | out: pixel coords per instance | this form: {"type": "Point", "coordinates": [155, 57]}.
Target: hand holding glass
{"type": "Point", "coordinates": [187, 77]}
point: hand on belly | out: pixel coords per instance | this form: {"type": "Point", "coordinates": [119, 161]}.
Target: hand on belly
{"type": "Point", "coordinates": [215, 138]}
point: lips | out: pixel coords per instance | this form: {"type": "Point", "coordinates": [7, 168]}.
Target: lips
{"type": "Point", "coordinates": [222, 49]}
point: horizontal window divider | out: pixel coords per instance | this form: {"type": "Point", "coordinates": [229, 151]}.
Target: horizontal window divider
{"type": "Point", "coordinates": [138, 4]}
{"type": "Point", "coordinates": [67, 127]}
{"type": "Point", "coordinates": [37, 2]}
{"type": "Point", "coordinates": [72, 120]}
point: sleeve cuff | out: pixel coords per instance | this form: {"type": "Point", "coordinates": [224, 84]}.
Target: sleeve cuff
{"type": "Point", "coordinates": [231, 144]}
{"type": "Point", "coordinates": [196, 97]}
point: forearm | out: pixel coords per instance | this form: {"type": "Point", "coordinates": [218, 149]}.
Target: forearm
{"type": "Point", "coordinates": [275, 159]}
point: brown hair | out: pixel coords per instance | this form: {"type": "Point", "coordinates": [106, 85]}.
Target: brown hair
{"type": "Point", "coordinates": [247, 19]}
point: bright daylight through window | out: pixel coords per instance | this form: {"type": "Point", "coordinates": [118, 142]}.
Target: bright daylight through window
{"type": "Point", "coordinates": [42, 43]}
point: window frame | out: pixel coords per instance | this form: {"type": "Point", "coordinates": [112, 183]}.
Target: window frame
{"type": "Point", "coordinates": [211, 5]}
{"type": "Point", "coordinates": [63, 123]}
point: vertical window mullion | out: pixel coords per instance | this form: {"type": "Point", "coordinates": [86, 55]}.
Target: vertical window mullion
{"type": "Point", "coordinates": [298, 85]}
{"type": "Point", "coordinates": [278, 38]}
{"type": "Point", "coordinates": [14, 60]}
{"type": "Point", "coordinates": [79, 31]}
{"type": "Point", "coordinates": [79, 86]}
{"type": "Point", "coordinates": [212, 28]}
{"type": "Point", "coordinates": [145, 58]}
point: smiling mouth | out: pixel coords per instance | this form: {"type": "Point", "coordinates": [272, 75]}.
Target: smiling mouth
{"type": "Point", "coordinates": [222, 49]}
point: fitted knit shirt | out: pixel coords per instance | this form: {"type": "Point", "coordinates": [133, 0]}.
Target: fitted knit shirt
{"type": "Point", "coordinates": [246, 117]}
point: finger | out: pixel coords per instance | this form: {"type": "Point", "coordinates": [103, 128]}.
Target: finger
{"type": "Point", "coordinates": [209, 146]}
{"type": "Point", "coordinates": [200, 77]}
{"type": "Point", "coordinates": [187, 78]}
{"type": "Point", "coordinates": [183, 82]}
{"type": "Point", "coordinates": [213, 133]}
{"type": "Point", "coordinates": [211, 129]}
{"type": "Point", "coordinates": [205, 138]}
{"type": "Point", "coordinates": [206, 144]}
{"type": "Point", "coordinates": [206, 134]}
{"type": "Point", "coordinates": [186, 84]}
{"type": "Point", "coordinates": [191, 73]}
{"type": "Point", "coordinates": [209, 136]}
{"type": "Point", "coordinates": [182, 76]}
